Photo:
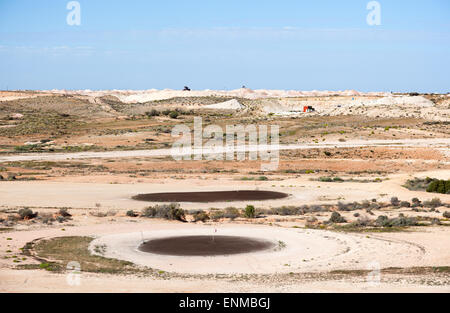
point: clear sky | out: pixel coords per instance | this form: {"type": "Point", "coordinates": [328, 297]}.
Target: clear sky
{"type": "Point", "coordinates": [212, 44]}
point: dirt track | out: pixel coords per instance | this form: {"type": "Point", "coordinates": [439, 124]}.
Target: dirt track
{"type": "Point", "coordinates": [437, 142]}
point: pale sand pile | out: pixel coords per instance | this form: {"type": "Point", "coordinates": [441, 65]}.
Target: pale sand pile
{"type": "Point", "coordinates": [140, 96]}
{"type": "Point", "coordinates": [228, 105]}
{"type": "Point", "coordinates": [278, 102]}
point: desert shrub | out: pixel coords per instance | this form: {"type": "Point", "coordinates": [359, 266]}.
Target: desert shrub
{"type": "Point", "coordinates": [46, 218]}
{"type": "Point", "coordinates": [363, 221]}
{"type": "Point", "coordinates": [433, 203]}
{"type": "Point", "coordinates": [349, 206]}
{"type": "Point", "coordinates": [131, 213]}
{"type": "Point", "coordinates": [231, 213]}
{"type": "Point", "coordinates": [249, 211]}
{"type": "Point", "coordinates": [326, 179]}
{"type": "Point", "coordinates": [439, 186]}
{"type": "Point", "coordinates": [216, 215]}
{"type": "Point", "coordinates": [166, 211]}
{"type": "Point", "coordinates": [316, 208]}
{"type": "Point", "coordinates": [336, 218]}
{"type": "Point", "coordinates": [435, 221]}
{"type": "Point", "coordinates": [201, 216]}
{"type": "Point", "coordinates": [98, 214]}
{"type": "Point", "coordinates": [111, 213]}
{"type": "Point", "coordinates": [64, 212]}
{"type": "Point", "coordinates": [382, 221]}
{"type": "Point", "coordinates": [405, 204]}
{"type": "Point", "coordinates": [285, 210]}
{"type": "Point", "coordinates": [395, 201]}
{"type": "Point", "coordinates": [401, 220]}
{"type": "Point", "coordinates": [174, 114]}
{"type": "Point", "coordinates": [152, 113]}
{"type": "Point", "coordinates": [418, 183]}
{"type": "Point", "coordinates": [446, 214]}
{"type": "Point", "coordinates": [416, 202]}
{"type": "Point", "coordinates": [27, 214]}
{"type": "Point", "coordinates": [342, 206]}
{"type": "Point", "coordinates": [356, 215]}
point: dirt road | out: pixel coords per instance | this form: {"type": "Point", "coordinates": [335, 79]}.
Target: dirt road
{"type": "Point", "coordinates": [439, 143]}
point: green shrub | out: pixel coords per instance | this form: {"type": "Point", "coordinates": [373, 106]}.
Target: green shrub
{"type": "Point", "coordinates": [131, 213]}
{"type": "Point", "coordinates": [446, 214]}
{"type": "Point", "coordinates": [174, 114]}
{"type": "Point", "coordinates": [439, 186]}
{"type": "Point", "coordinates": [250, 211]}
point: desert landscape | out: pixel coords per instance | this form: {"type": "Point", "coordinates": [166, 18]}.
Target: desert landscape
{"type": "Point", "coordinates": [92, 199]}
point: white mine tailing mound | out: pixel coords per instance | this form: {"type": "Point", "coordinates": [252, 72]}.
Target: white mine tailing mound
{"type": "Point", "coordinates": [228, 105]}
{"type": "Point", "coordinates": [140, 96]}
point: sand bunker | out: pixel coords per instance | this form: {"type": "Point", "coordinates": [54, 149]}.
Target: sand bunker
{"type": "Point", "coordinates": [303, 250]}
{"type": "Point", "coordinates": [205, 245]}
{"type": "Point", "coordinates": [212, 196]}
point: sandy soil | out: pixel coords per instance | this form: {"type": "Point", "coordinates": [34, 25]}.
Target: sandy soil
{"type": "Point", "coordinates": [119, 196]}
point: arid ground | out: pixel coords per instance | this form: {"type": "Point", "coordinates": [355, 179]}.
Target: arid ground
{"type": "Point", "coordinates": [360, 216]}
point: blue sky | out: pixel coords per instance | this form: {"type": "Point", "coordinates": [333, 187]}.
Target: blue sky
{"type": "Point", "coordinates": [209, 44]}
